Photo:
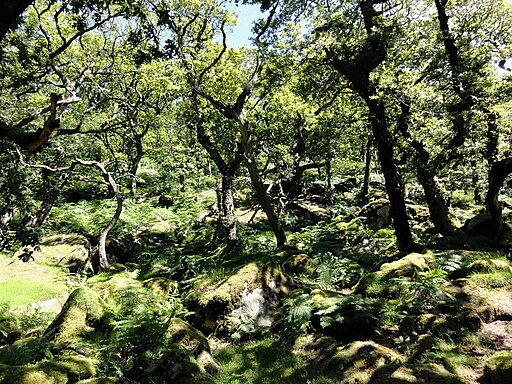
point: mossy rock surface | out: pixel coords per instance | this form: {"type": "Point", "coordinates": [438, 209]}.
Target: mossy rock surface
{"type": "Point", "coordinates": [30, 374]}
{"type": "Point", "coordinates": [211, 299]}
{"type": "Point", "coordinates": [70, 252]}
{"type": "Point", "coordinates": [377, 283]}
{"type": "Point", "coordinates": [299, 264]}
{"type": "Point", "coordinates": [498, 368]}
{"type": "Point", "coordinates": [22, 352]}
{"type": "Point", "coordinates": [75, 367]}
{"type": "Point", "coordinates": [99, 380]}
{"type": "Point", "coordinates": [357, 360]}
{"type": "Point", "coordinates": [183, 334]}
{"type": "Point", "coordinates": [414, 373]}
{"type": "Point", "coordinates": [81, 311]}
{"type": "Point", "coordinates": [117, 281]}
{"type": "Point", "coordinates": [489, 265]}
{"type": "Point", "coordinates": [487, 304]}
{"type": "Point", "coordinates": [62, 369]}
{"type": "Point", "coordinates": [161, 286]}
{"type": "Point", "coordinates": [406, 266]}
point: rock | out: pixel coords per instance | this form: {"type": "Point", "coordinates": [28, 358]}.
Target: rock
{"type": "Point", "coordinates": [74, 367]}
{"type": "Point", "coordinates": [70, 252]}
{"type": "Point", "coordinates": [357, 360]}
{"type": "Point", "coordinates": [377, 214]}
{"type": "Point", "coordinates": [161, 286]}
{"type": "Point", "coordinates": [60, 370]}
{"type": "Point", "coordinates": [99, 380]}
{"type": "Point", "coordinates": [183, 334]}
{"type": "Point", "coordinates": [482, 225]}
{"type": "Point", "coordinates": [414, 373]}
{"type": "Point", "coordinates": [486, 304]}
{"type": "Point", "coordinates": [377, 283]}
{"type": "Point", "coordinates": [165, 201]}
{"type": "Point", "coordinates": [489, 265]}
{"type": "Point", "coordinates": [498, 368]}
{"type": "Point", "coordinates": [310, 211]}
{"type": "Point", "coordinates": [406, 266]}
{"type": "Point", "coordinates": [298, 264]}
{"type": "Point", "coordinates": [80, 312]}
{"type": "Point", "coordinates": [211, 301]}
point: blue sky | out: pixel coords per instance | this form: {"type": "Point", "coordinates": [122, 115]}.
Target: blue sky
{"type": "Point", "coordinates": [247, 14]}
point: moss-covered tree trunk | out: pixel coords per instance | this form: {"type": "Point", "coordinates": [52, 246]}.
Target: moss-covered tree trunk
{"type": "Point", "coordinates": [394, 188]}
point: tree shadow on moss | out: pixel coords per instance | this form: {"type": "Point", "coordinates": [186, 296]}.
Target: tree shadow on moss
{"type": "Point", "coordinates": [267, 361]}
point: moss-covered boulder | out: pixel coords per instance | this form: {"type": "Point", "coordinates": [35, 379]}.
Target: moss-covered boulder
{"type": "Point", "coordinates": [377, 283]}
{"type": "Point", "coordinates": [357, 360]}
{"type": "Point", "coordinates": [487, 265]}
{"type": "Point", "coordinates": [406, 266]}
{"type": "Point", "coordinates": [70, 252]}
{"type": "Point", "coordinates": [486, 303]}
{"type": "Point", "coordinates": [161, 286]}
{"type": "Point", "coordinates": [253, 290]}
{"type": "Point", "coordinates": [183, 334]}
{"type": "Point", "coordinates": [82, 310]}
{"type": "Point", "coordinates": [60, 370]}
{"type": "Point", "coordinates": [414, 373]}
{"type": "Point", "coordinates": [99, 380]}
{"type": "Point", "coordinates": [498, 368]}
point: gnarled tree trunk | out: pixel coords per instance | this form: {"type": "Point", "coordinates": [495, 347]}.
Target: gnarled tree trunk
{"type": "Point", "coordinates": [497, 175]}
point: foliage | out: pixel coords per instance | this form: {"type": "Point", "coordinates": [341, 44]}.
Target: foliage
{"type": "Point", "coordinates": [139, 320]}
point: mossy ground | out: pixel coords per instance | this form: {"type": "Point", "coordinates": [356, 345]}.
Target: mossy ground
{"type": "Point", "coordinates": [337, 275]}
{"type": "Point", "coordinates": [30, 282]}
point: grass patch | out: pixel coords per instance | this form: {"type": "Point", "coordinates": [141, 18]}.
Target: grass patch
{"type": "Point", "coordinates": [267, 361]}
{"type": "Point", "coordinates": [21, 291]}
{"type": "Point", "coordinates": [25, 283]}
{"type": "Point", "coordinates": [494, 279]}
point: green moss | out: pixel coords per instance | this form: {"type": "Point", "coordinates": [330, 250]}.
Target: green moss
{"type": "Point", "coordinates": [29, 374]}
{"type": "Point", "coordinates": [22, 352]}
{"type": "Point", "coordinates": [160, 286]}
{"type": "Point", "coordinates": [414, 373]}
{"type": "Point", "coordinates": [498, 368]}
{"type": "Point", "coordinates": [74, 367]}
{"type": "Point", "coordinates": [489, 265]}
{"type": "Point", "coordinates": [82, 308]}
{"type": "Point", "coordinates": [406, 266]}
{"type": "Point", "coordinates": [493, 279]}
{"type": "Point", "coordinates": [184, 335]}
{"type": "Point", "coordinates": [99, 380]}
{"type": "Point", "coordinates": [229, 290]}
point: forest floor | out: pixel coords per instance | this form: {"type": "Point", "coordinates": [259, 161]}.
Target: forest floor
{"type": "Point", "coordinates": [339, 304]}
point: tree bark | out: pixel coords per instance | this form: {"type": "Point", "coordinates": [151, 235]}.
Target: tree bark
{"type": "Point", "coordinates": [228, 171]}
{"type": "Point", "coordinates": [497, 175]}
{"type": "Point", "coordinates": [109, 179]}
{"type": "Point", "coordinates": [438, 204]}
{"type": "Point", "coordinates": [228, 209]}
{"type": "Point", "coordinates": [394, 188]}
{"type": "Point", "coordinates": [436, 201]}
{"type": "Point", "coordinates": [357, 68]}
{"type": "Point", "coordinates": [367, 166]}
{"type": "Point", "coordinates": [259, 187]}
